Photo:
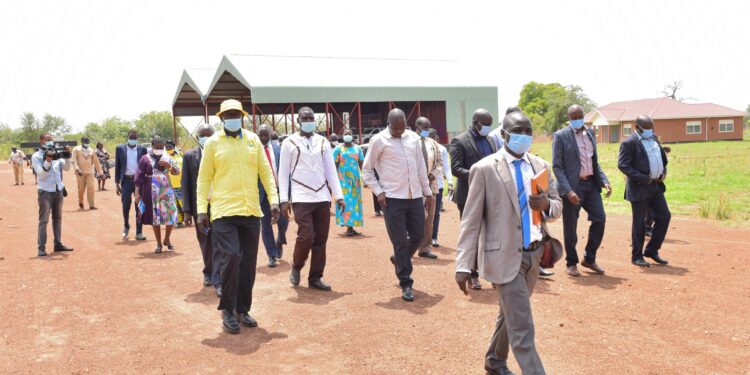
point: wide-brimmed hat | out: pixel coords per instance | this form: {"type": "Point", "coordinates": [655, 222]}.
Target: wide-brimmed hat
{"type": "Point", "coordinates": [229, 105]}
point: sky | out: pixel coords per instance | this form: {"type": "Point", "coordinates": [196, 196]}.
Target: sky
{"type": "Point", "coordinates": [88, 60]}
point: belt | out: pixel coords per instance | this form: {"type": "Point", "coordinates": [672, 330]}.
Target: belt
{"type": "Point", "coordinates": [128, 177]}
{"type": "Point", "coordinates": [586, 178]}
{"type": "Point", "coordinates": [532, 247]}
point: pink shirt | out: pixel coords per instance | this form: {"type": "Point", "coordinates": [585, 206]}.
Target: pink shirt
{"type": "Point", "coordinates": [585, 152]}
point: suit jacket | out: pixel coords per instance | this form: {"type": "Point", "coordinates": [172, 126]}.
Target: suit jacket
{"type": "Point", "coordinates": [191, 163]}
{"type": "Point", "coordinates": [633, 162]}
{"type": "Point", "coordinates": [491, 223]}
{"type": "Point", "coordinates": [464, 154]}
{"type": "Point", "coordinates": [277, 155]}
{"type": "Point", "coordinates": [566, 162]}
{"type": "Point", "coordinates": [121, 160]}
{"type": "Point", "coordinates": [436, 169]}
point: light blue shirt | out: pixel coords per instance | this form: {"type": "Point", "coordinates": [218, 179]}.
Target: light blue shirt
{"type": "Point", "coordinates": [49, 177]}
{"type": "Point", "coordinates": [132, 161]}
{"type": "Point", "coordinates": [446, 168]}
{"type": "Point", "coordinates": [497, 136]}
{"type": "Point", "coordinates": [655, 163]}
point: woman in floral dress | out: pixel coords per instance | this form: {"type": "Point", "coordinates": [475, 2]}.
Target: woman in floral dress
{"type": "Point", "coordinates": [349, 158]}
{"type": "Point", "coordinates": [154, 195]}
{"type": "Point", "coordinates": [103, 156]}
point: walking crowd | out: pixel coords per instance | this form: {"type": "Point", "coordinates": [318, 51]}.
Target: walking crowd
{"type": "Point", "coordinates": [239, 187]}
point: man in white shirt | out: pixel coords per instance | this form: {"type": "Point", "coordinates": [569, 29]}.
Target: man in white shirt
{"type": "Point", "coordinates": [403, 190]}
{"type": "Point", "coordinates": [445, 173]}
{"type": "Point", "coordinates": [308, 172]}
{"type": "Point", "coordinates": [434, 165]}
{"type": "Point", "coordinates": [17, 158]}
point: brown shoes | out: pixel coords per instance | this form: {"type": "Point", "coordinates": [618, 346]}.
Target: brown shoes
{"type": "Point", "coordinates": [593, 266]}
{"type": "Point", "coordinates": [572, 271]}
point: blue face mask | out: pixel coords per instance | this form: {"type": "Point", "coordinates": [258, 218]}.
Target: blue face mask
{"type": "Point", "coordinates": [485, 130]}
{"type": "Point", "coordinates": [519, 143]}
{"type": "Point", "coordinates": [233, 124]}
{"type": "Point", "coordinates": [348, 138]}
{"type": "Point", "coordinates": [576, 124]}
{"type": "Point", "coordinates": [132, 142]}
{"type": "Point", "coordinates": [424, 133]}
{"type": "Point", "coordinates": [647, 133]}
{"type": "Point", "coordinates": [50, 143]}
{"type": "Point", "coordinates": [308, 127]}
{"type": "Point", "coordinates": [202, 140]}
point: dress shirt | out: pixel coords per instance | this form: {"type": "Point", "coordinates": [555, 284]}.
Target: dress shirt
{"type": "Point", "coordinates": [446, 171]}
{"type": "Point", "coordinates": [268, 151]}
{"type": "Point", "coordinates": [399, 164]}
{"type": "Point", "coordinates": [483, 144]}
{"type": "Point", "coordinates": [585, 151]}
{"type": "Point", "coordinates": [307, 161]}
{"type": "Point", "coordinates": [231, 167]}
{"type": "Point", "coordinates": [85, 160]}
{"type": "Point", "coordinates": [49, 177]}
{"type": "Point", "coordinates": [132, 160]}
{"type": "Point", "coordinates": [497, 136]}
{"type": "Point", "coordinates": [654, 156]}
{"type": "Point", "coordinates": [528, 174]}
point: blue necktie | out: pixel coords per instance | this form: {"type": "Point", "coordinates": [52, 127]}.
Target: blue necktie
{"type": "Point", "coordinates": [524, 205]}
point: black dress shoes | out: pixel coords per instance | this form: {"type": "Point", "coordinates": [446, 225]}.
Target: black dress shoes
{"type": "Point", "coordinates": [246, 320]}
{"type": "Point", "coordinates": [280, 247]}
{"type": "Point", "coordinates": [428, 255]}
{"type": "Point", "coordinates": [207, 280]}
{"type": "Point", "coordinates": [294, 277]}
{"type": "Point", "coordinates": [42, 253]}
{"type": "Point", "coordinates": [393, 260]}
{"type": "Point", "coordinates": [229, 322]}
{"type": "Point", "coordinates": [656, 258]}
{"type": "Point", "coordinates": [319, 284]}
{"type": "Point", "coordinates": [407, 294]}
{"type": "Point", "coordinates": [218, 291]}
{"type": "Point", "coordinates": [62, 247]}
{"type": "Point", "coordinates": [503, 370]}
{"type": "Point", "coordinates": [272, 262]}
{"type": "Point", "coordinates": [641, 263]}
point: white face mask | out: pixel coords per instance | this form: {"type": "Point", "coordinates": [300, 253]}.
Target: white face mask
{"type": "Point", "coordinates": [158, 152]}
{"type": "Point", "coordinates": [348, 138]}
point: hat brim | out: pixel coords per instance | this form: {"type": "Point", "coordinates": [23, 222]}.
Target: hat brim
{"type": "Point", "coordinates": [244, 113]}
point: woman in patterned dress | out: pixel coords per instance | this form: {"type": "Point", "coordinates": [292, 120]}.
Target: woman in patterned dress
{"type": "Point", "coordinates": [349, 158]}
{"type": "Point", "coordinates": [103, 156]}
{"type": "Point", "coordinates": [154, 195]}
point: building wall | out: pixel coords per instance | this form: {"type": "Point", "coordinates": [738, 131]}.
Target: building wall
{"type": "Point", "coordinates": [675, 130]}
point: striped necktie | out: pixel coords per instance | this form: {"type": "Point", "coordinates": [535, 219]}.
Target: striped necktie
{"type": "Point", "coordinates": [524, 205]}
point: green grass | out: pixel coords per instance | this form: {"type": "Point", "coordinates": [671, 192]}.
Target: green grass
{"type": "Point", "coordinates": [707, 180]}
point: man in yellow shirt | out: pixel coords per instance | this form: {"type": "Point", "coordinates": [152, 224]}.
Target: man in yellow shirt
{"type": "Point", "coordinates": [233, 162]}
{"type": "Point", "coordinates": [86, 165]}
{"type": "Point", "coordinates": [176, 180]}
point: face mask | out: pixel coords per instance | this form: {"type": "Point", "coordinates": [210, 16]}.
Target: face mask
{"type": "Point", "coordinates": [202, 141]}
{"type": "Point", "coordinates": [308, 127]}
{"type": "Point", "coordinates": [519, 143]}
{"type": "Point", "coordinates": [348, 138]}
{"type": "Point", "coordinates": [233, 124]}
{"type": "Point", "coordinates": [49, 143]}
{"type": "Point", "coordinates": [85, 145]}
{"type": "Point", "coordinates": [158, 152]}
{"type": "Point", "coordinates": [485, 130]}
{"type": "Point", "coordinates": [647, 133]}
{"type": "Point", "coordinates": [132, 142]}
{"type": "Point", "coordinates": [576, 124]}
{"type": "Point", "coordinates": [424, 133]}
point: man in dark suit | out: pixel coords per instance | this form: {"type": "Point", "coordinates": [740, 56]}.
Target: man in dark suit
{"type": "Point", "coordinates": [191, 163]}
{"type": "Point", "coordinates": [580, 180]}
{"type": "Point", "coordinates": [274, 245]}
{"type": "Point", "coordinates": [126, 163]}
{"type": "Point", "coordinates": [466, 149]}
{"type": "Point", "coordinates": [644, 163]}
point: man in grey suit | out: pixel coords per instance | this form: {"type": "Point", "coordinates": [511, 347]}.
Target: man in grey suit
{"type": "Point", "coordinates": [580, 180]}
{"type": "Point", "coordinates": [497, 230]}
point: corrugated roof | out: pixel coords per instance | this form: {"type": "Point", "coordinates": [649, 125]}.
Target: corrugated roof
{"type": "Point", "coordinates": [661, 108]}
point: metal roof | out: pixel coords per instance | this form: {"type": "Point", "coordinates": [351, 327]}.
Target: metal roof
{"type": "Point", "coordinates": [661, 109]}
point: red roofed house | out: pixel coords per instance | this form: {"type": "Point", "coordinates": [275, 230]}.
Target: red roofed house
{"type": "Point", "coordinates": [673, 121]}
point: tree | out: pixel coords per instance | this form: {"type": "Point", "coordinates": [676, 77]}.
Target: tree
{"type": "Point", "coordinates": [31, 128]}
{"type": "Point", "coordinates": [158, 123]}
{"type": "Point", "coordinates": [55, 125]}
{"type": "Point", "coordinates": [747, 117]}
{"type": "Point", "coordinates": [670, 91]}
{"type": "Point", "coordinates": [547, 104]}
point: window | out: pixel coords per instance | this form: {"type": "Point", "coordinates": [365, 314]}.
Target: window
{"type": "Point", "coordinates": [693, 127]}
{"type": "Point", "coordinates": [627, 129]}
{"type": "Point", "coordinates": [726, 126]}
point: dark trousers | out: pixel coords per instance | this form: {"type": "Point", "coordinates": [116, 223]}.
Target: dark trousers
{"type": "Point", "coordinates": [438, 207]}
{"type": "Point", "coordinates": [661, 215]}
{"type": "Point", "coordinates": [266, 229]}
{"type": "Point", "coordinates": [313, 221]}
{"type": "Point", "coordinates": [126, 196]}
{"type": "Point", "coordinates": [236, 238]}
{"type": "Point", "coordinates": [50, 202]}
{"type": "Point", "coordinates": [376, 203]}
{"type": "Point", "coordinates": [210, 257]}
{"type": "Point", "coordinates": [474, 272]}
{"type": "Point", "coordinates": [591, 202]}
{"type": "Point", "coordinates": [404, 221]}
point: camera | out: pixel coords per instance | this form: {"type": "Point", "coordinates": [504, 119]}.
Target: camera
{"type": "Point", "coordinates": [57, 152]}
